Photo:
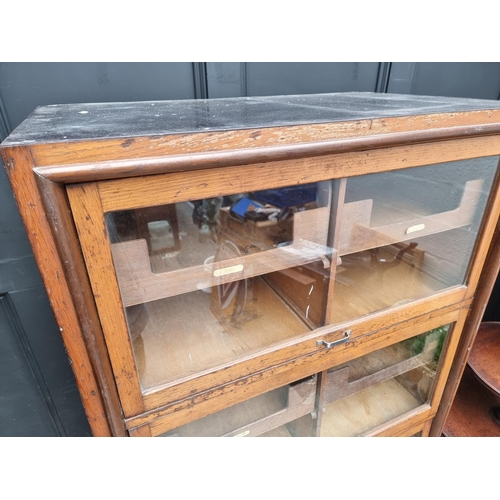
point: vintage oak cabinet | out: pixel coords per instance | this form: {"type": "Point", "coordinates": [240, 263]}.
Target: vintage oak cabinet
{"type": "Point", "coordinates": [276, 266]}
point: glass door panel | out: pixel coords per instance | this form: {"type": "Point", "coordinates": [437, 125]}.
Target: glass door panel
{"type": "Point", "coordinates": [269, 415]}
{"type": "Point", "coordinates": [408, 234]}
{"type": "Point", "coordinates": [195, 277]}
{"type": "Point", "coordinates": [382, 385]}
{"type": "Point", "coordinates": [208, 282]}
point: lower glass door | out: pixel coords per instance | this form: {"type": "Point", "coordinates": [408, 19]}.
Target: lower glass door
{"type": "Point", "coordinates": [269, 415]}
{"type": "Point", "coordinates": [381, 386]}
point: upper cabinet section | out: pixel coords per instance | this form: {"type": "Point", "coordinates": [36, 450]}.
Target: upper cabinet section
{"type": "Point", "coordinates": [209, 281]}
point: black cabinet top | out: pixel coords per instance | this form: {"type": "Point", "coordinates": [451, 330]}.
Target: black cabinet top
{"type": "Point", "coordinates": [74, 122]}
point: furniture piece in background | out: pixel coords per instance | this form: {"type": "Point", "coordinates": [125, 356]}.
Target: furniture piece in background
{"type": "Point", "coordinates": [476, 408]}
{"type": "Point", "coordinates": [332, 304]}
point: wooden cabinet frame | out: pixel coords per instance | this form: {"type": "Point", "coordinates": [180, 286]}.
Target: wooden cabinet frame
{"type": "Point", "coordinates": [58, 183]}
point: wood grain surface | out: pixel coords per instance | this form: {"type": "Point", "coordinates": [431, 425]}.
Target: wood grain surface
{"type": "Point", "coordinates": [91, 227]}
{"type": "Point", "coordinates": [136, 192]}
{"type": "Point", "coordinates": [40, 233]}
{"type": "Point", "coordinates": [484, 358]}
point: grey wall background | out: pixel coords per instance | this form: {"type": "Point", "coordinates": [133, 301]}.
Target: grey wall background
{"type": "Point", "coordinates": [38, 395]}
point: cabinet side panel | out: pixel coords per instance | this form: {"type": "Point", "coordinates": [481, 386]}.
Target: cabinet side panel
{"type": "Point", "coordinates": [19, 162]}
{"type": "Point", "coordinates": [446, 362]}
{"type": "Point", "coordinates": [59, 216]}
{"type": "Point", "coordinates": [483, 292]}
{"type": "Point", "coordinates": [89, 219]}
{"type": "Point", "coordinates": [491, 218]}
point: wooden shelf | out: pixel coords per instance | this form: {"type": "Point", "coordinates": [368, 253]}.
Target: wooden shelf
{"type": "Point", "coordinates": [281, 431]}
{"type": "Point", "coordinates": [377, 387]}
{"type": "Point", "coordinates": [265, 415]}
{"type": "Point", "coordinates": [139, 284]}
{"type": "Point", "coordinates": [364, 226]}
{"type": "Point", "coordinates": [182, 336]}
{"type": "Point", "coordinates": [339, 386]}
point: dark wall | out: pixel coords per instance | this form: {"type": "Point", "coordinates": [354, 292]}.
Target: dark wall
{"type": "Point", "coordinates": [38, 395]}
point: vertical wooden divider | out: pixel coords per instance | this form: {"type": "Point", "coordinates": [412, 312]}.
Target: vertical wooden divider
{"type": "Point", "coordinates": [320, 402]}
{"type": "Point", "coordinates": [337, 206]}
{"type": "Point", "coordinates": [448, 355]}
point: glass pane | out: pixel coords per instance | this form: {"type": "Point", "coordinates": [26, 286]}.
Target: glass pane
{"type": "Point", "coordinates": [382, 385]}
{"type": "Point", "coordinates": [405, 235]}
{"type": "Point", "coordinates": [207, 282]}
{"type": "Point", "coordinates": [268, 415]}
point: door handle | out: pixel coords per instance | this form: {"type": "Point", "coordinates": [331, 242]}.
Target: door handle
{"type": "Point", "coordinates": [329, 345]}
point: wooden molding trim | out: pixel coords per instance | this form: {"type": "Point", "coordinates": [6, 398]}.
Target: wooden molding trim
{"type": "Point", "coordinates": [91, 228]}
{"type": "Point", "coordinates": [58, 215]}
{"type": "Point", "coordinates": [105, 170]}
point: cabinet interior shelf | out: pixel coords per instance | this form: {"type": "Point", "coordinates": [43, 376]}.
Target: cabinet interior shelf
{"type": "Point", "coordinates": [361, 230]}
{"type": "Point", "coordinates": [265, 414]}
{"type": "Point", "coordinates": [138, 284]}
{"type": "Point", "coordinates": [184, 329]}
{"type": "Point", "coordinates": [376, 388]}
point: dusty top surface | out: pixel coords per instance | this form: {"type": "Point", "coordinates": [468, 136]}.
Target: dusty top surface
{"type": "Point", "coordinates": [76, 122]}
